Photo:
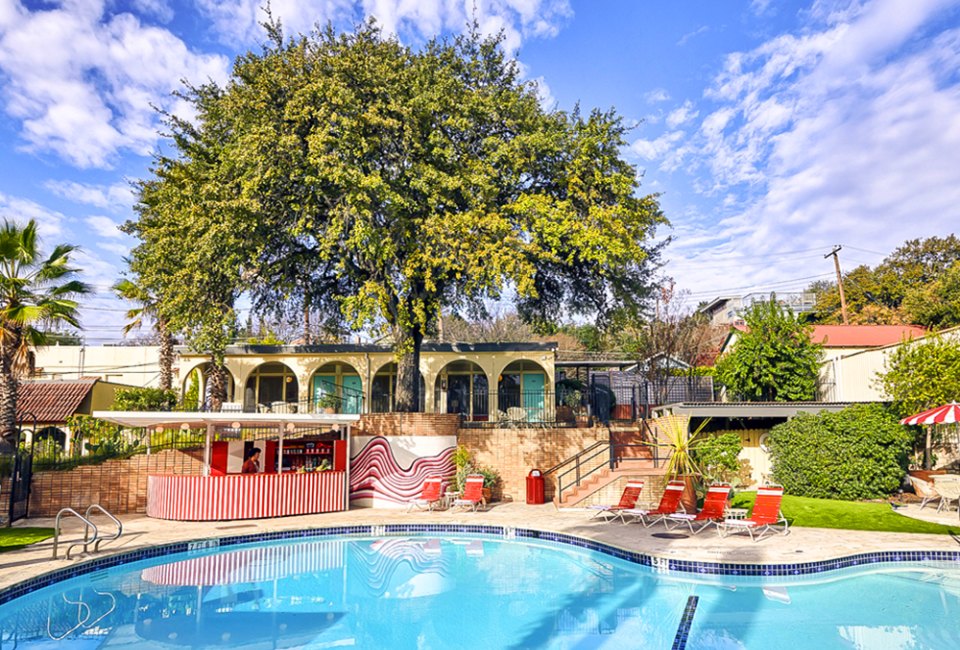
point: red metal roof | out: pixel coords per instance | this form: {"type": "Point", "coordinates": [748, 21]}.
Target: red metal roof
{"type": "Point", "coordinates": [52, 401]}
{"type": "Point", "coordinates": [864, 336]}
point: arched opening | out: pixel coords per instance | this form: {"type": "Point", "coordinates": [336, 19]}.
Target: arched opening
{"type": "Point", "coordinates": [462, 388]}
{"type": "Point", "coordinates": [383, 390]}
{"type": "Point", "coordinates": [49, 443]}
{"type": "Point", "coordinates": [337, 386]}
{"type": "Point", "coordinates": [522, 393]}
{"type": "Point", "coordinates": [195, 388]}
{"type": "Point", "coordinates": [272, 387]}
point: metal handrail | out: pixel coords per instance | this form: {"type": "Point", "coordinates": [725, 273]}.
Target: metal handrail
{"type": "Point", "coordinates": [96, 545]}
{"type": "Point", "coordinates": [88, 525]}
{"type": "Point", "coordinates": [575, 457]}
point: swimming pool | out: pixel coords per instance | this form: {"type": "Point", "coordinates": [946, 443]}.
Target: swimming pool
{"type": "Point", "coordinates": [476, 591]}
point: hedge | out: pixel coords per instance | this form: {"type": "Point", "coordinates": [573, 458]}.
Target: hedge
{"type": "Point", "coordinates": [860, 452]}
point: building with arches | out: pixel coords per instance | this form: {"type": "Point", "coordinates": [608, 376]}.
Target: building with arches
{"type": "Point", "coordinates": [480, 381]}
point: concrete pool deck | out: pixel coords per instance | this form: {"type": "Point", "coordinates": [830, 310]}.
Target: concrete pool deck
{"type": "Point", "coordinates": [801, 545]}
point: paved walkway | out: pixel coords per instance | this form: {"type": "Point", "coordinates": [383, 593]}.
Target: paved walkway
{"type": "Point", "coordinates": [801, 545]}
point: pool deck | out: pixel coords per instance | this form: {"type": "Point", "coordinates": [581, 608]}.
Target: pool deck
{"type": "Point", "coordinates": [801, 545]}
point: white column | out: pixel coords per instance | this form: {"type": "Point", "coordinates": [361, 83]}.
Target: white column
{"type": "Point", "coordinates": [208, 440]}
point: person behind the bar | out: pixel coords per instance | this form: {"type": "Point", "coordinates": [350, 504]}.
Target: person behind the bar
{"type": "Point", "coordinates": [252, 463]}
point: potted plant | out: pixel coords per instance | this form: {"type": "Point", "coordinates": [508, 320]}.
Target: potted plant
{"type": "Point", "coordinates": [328, 402]}
{"type": "Point", "coordinates": [465, 465]}
{"type": "Point", "coordinates": [680, 443]}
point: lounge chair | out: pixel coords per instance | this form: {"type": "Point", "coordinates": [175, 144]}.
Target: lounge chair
{"type": "Point", "coordinates": [926, 491]}
{"type": "Point", "coordinates": [714, 506]}
{"type": "Point", "coordinates": [429, 497]}
{"type": "Point", "coordinates": [669, 503]}
{"type": "Point", "coordinates": [765, 516]}
{"type": "Point", "coordinates": [628, 500]}
{"type": "Point", "coordinates": [948, 487]}
{"type": "Point", "coordinates": [472, 496]}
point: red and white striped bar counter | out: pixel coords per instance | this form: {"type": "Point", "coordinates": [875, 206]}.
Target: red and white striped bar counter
{"type": "Point", "coordinates": [245, 496]}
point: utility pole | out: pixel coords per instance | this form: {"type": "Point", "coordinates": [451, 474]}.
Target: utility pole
{"type": "Point", "coordinates": [843, 298]}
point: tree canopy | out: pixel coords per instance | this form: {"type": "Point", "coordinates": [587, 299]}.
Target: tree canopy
{"type": "Point", "coordinates": [916, 284]}
{"type": "Point", "coordinates": [352, 176]}
{"type": "Point", "coordinates": [774, 360]}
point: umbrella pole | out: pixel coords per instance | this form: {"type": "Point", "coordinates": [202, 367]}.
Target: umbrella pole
{"type": "Point", "coordinates": [927, 464]}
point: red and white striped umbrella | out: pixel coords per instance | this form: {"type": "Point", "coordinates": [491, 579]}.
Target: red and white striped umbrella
{"type": "Point", "coordinates": [946, 414]}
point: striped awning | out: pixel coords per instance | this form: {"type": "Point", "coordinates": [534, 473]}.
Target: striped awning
{"type": "Point", "coordinates": [946, 414]}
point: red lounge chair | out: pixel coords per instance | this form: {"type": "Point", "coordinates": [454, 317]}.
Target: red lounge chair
{"type": "Point", "coordinates": [669, 503]}
{"type": "Point", "coordinates": [766, 514]}
{"type": "Point", "coordinates": [712, 513]}
{"type": "Point", "coordinates": [429, 497]}
{"type": "Point", "coordinates": [628, 500]}
{"type": "Point", "coordinates": [472, 496]}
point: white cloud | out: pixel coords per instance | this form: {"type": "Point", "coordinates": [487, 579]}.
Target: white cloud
{"type": "Point", "coordinates": [681, 115]}
{"type": "Point", "coordinates": [656, 96]}
{"type": "Point", "coordinates": [105, 227]}
{"type": "Point", "coordinates": [80, 80]}
{"type": "Point", "coordinates": [115, 248]}
{"type": "Point", "coordinates": [686, 37]}
{"type": "Point", "coordinates": [17, 210]}
{"type": "Point", "coordinates": [519, 19]}
{"type": "Point", "coordinates": [843, 133]}
{"type": "Point", "coordinates": [118, 196]}
{"type": "Point", "coordinates": [657, 148]}
{"type": "Point", "coordinates": [159, 9]}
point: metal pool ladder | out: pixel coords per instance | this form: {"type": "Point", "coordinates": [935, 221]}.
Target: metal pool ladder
{"type": "Point", "coordinates": [88, 528]}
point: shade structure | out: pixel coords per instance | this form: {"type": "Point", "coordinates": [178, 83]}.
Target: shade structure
{"type": "Point", "coordinates": [946, 414]}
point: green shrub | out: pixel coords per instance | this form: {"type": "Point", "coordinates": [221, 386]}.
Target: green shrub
{"type": "Point", "coordinates": [717, 456]}
{"type": "Point", "coordinates": [857, 453]}
{"type": "Point", "coordinates": [144, 399]}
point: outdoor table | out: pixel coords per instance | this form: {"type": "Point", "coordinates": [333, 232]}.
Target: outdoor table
{"type": "Point", "coordinates": [449, 497]}
{"type": "Point", "coordinates": [735, 513]}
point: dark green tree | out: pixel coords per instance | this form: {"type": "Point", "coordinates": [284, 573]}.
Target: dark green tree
{"type": "Point", "coordinates": [386, 184]}
{"type": "Point", "coordinates": [937, 304]}
{"type": "Point", "coordinates": [774, 360]}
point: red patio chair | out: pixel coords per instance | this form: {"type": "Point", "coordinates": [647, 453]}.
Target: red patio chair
{"type": "Point", "coordinates": [430, 495]}
{"type": "Point", "coordinates": [669, 503]}
{"type": "Point", "coordinates": [765, 516]}
{"type": "Point", "coordinates": [712, 513]}
{"type": "Point", "coordinates": [472, 496]}
{"type": "Point", "coordinates": [628, 500]}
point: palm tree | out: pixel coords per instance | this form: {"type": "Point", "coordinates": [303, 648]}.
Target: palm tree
{"type": "Point", "coordinates": [148, 309]}
{"type": "Point", "coordinates": [33, 291]}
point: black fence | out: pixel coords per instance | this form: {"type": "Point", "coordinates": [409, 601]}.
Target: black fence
{"type": "Point", "coordinates": [334, 399]}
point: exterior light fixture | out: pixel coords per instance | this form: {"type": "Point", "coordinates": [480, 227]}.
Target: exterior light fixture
{"type": "Point", "coordinates": [184, 427]}
{"type": "Point", "coordinates": [159, 428]}
{"type": "Point", "coordinates": [291, 426]}
{"type": "Point", "coordinates": [234, 425]}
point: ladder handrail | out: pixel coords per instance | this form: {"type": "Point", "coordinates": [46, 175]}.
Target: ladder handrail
{"type": "Point", "coordinates": [96, 541]}
{"type": "Point", "coordinates": [88, 525]}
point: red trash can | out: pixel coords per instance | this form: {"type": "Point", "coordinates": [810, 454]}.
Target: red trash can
{"type": "Point", "coordinates": [535, 487]}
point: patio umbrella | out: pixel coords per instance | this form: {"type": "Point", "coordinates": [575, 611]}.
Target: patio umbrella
{"type": "Point", "coordinates": [946, 414]}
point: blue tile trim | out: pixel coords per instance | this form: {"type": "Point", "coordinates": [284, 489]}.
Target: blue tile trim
{"type": "Point", "coordinates": [656, 563]}
{"type": "Point", "coordinates": [683, 631]}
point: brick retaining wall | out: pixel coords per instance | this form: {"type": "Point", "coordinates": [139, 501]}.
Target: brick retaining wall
{"type": "Point", "coordinates": [514, 452]}
{"type": "Point", "coordinates": [408, 424]}
{"type": "Point", "coordinates": [119, 485]}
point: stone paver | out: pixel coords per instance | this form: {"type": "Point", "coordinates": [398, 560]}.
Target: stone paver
{"type": "Point", "coordinates": [801, 545]}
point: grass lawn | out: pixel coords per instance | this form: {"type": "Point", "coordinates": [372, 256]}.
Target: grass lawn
{"type": "Point", "coordinates": [14, 538]}
{"type": "Point", "coordinates": [849, 515]}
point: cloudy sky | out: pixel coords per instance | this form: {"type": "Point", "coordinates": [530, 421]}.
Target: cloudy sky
{"type": "Point", "coordinates": [772, 129]}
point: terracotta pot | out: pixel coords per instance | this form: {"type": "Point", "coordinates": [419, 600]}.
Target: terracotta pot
{"type": "Point", "coordinates": [487, 494]}
{"type": "Point", "coordinates": [689, 497]}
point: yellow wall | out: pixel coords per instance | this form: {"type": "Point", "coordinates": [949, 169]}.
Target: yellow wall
{"type": "Point", "coordinates": [367, 364]}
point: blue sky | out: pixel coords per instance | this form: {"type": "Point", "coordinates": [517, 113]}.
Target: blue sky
{"type": "Point", "coordinates": [772, 129]}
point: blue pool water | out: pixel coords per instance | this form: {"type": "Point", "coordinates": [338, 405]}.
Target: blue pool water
{"type": "Point", "coordinates": [471, 592]}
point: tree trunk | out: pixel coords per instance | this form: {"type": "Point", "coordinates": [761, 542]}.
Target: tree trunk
{"type": "Point", "coordinates": [217, 385]}
{"type": "Point", "coordinates": [8, 387]}
{"type": "Point", "coordinates": [166, 356]}
{"type": "Point", "coordinates": [408, 370]}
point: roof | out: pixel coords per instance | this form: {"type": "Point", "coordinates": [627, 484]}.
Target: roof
{"type": "Point", "coordinates": [750, 409]}
{"type": "Point", "coordinates": [52, 400]}
{"type": "Point", "coordinates": [522, 346]}
{"type": "Point", "coordinates": [864, 336]}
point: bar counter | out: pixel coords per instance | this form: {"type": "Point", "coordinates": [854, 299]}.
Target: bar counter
{"type": "Point", "coordinates": [245, 496]}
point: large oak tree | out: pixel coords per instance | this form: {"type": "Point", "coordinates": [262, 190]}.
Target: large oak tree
{"type": "Point", "coordinates": [379, 184]}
